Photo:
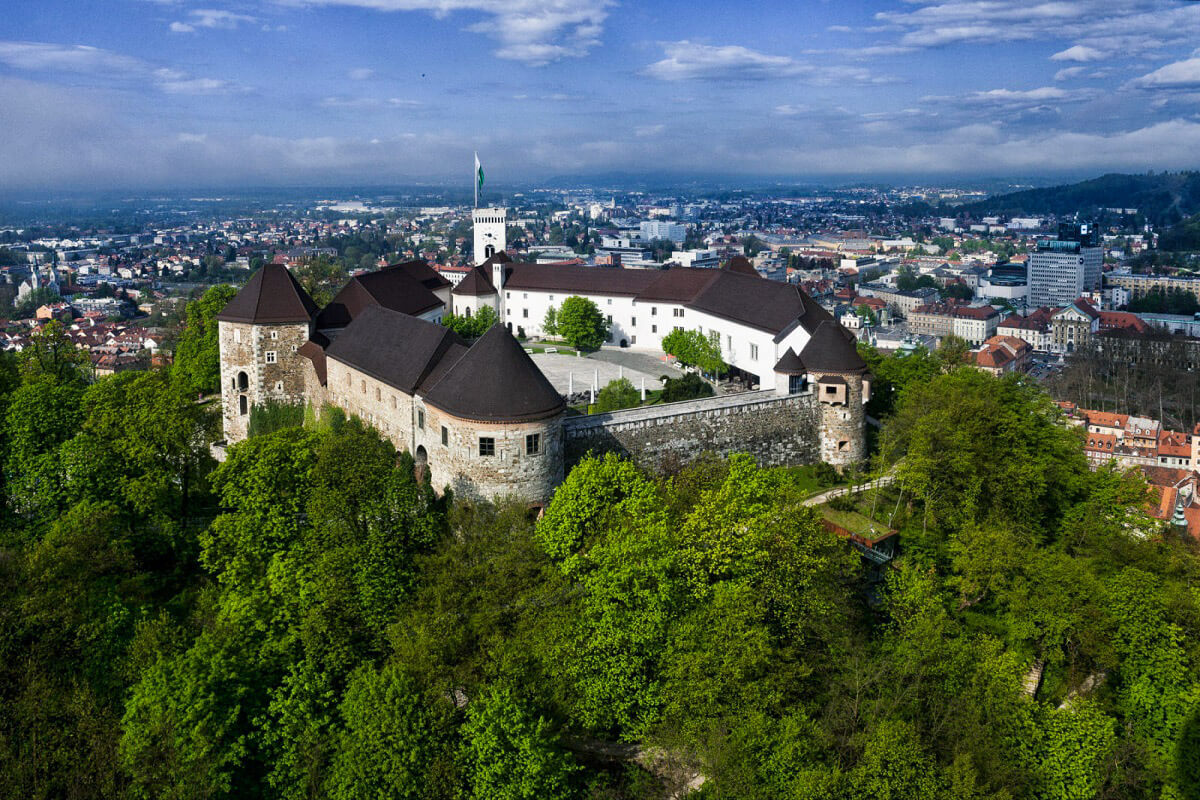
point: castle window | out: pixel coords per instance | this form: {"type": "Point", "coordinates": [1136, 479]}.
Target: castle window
{"type": "Point", "coordinates": [654, 311]}
{"type": "Point", "coordinates": [533, 444]}
{"type": "Point", "coordinates": [843, 446]}
{"type": "Point", "coordinates": [243, 406]}
{"type": "Point", "coordinates": [393, 401]}
{"type": "Point", "coordinates": [279, 386]}
{"type": "Point", "coordinates": [243, 382]}
{"type": "Point", "coordinates": [654, 329]}
{"type": "Point", "coordinates": [633, 322]}
{"type": "Point", "coordinates": [270, 356]}
{"type": "Point", "coordinates": [445, 437]}
{"type": "Point", "coordinates": [237, 335]}
{"type": "Point", "coordinates": [378, 394]}
{"type": "Point", "coordinates": [610, 301]}
{"type": "Point", "coordinates": [420, 418]}
{"type": "Point", "coordinates": [525, 313]}
{"type": "Point", "coordinates": [349, 379]}
{"type": "Point", "coordinates": [487, 446]}
{"type": "Point", "coordinates": [274, 334]}
{"type": "Point", "coordinates": [362, 386]}
{"type": "Point", "coordinates": [754, 352]}
{"type": "Point", "coordinates": [609, 318]}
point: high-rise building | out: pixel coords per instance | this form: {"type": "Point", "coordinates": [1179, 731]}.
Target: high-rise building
{"type": "Point", "coordinates": [1062, 269]}
{"type": "Point", "coordinates": [659, 229]}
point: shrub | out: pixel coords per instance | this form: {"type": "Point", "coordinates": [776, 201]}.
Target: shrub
{"type": "Point", "coordinates": [689, 387]}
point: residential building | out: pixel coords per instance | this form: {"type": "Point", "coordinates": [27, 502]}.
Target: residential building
{"type": "Point", "coordinates": [1073, 327]}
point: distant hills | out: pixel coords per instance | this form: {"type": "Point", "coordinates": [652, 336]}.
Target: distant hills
{"type": "Point", "coordinates": [1162, 198]}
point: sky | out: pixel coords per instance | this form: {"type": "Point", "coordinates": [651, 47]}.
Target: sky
{"type": "Point", "coordinates": [211, 93]}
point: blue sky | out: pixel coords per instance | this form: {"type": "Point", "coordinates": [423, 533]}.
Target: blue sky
{"type": "Point", "coordinates": [180, 93]}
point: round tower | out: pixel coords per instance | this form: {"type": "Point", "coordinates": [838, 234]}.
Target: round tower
{"type": "Point", "coordinates": [260, 333]}
{"type": "Point", "coordinates": [843, 387]}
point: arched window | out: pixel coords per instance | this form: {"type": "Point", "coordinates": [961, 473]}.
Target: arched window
{"type": "Point", "coordinates": [489, 251]}
{"type": "Point", "coordinates": [243, 383]}
{"type": "Point", "coordinates": [243, 406]}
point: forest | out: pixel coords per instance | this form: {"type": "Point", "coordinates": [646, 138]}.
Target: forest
{"type": "Point", "coordinates": [309, 619]}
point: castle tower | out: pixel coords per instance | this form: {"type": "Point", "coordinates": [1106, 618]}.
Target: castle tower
{"type": "Point", "coordinates": [489, 225]}
{"type": "Point", "coordinates": [260, 333]}
{"type": "Point", "coordinates": [843, 388]}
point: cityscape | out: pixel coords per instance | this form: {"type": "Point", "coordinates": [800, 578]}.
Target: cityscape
{"type": "Point", "coordinates": [564, 399]}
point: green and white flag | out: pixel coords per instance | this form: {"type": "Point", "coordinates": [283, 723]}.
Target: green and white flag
{"type": "Point", "coordinates": [478, 178]}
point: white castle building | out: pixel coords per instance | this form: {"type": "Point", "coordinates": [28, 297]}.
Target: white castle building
{"type": "Point", "coordinates": [480, 416]}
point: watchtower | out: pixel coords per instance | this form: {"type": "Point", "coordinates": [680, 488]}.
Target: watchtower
{"type": "Point", "coordinates": [260, 333]}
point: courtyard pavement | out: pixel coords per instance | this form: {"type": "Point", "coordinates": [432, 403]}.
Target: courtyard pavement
{"type": "Point", "coordinates": [602, 367]}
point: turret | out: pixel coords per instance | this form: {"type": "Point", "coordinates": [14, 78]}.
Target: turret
{"type": "Point", "coordinates": [260, 332]}
{"type": "Point", "coordinates": [843, 387]}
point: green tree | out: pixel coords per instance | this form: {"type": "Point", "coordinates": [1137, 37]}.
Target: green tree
{"type": "Point", "coordinates": [581, 324]}
{"type": "Point", "coordinates": [694, 349]}
{"type": "Point", "coordinates": [508, 753]}
{"type": "Point", "coordinates": [51, 353]}
{"type": "Point", "coordinates": [550, 322]}
{"type": "Point", "coordinates": [197, 355]}
{"type": "Point", "coordinates": [471, 327]}
{"type": "Point", "coordinates": [689, 387]}
{"type": "Point", "coordinates": [617, 394]}
{"type": "Point", "coordinates": [394, 743]}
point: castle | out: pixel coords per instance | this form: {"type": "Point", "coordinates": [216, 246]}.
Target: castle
{"type": "Point", "coordinates": [482, 419]}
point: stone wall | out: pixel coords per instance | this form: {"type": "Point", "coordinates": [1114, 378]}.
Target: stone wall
{"type": "Point", "coordinates": [456, 462]}
{"type": "Point", "coordinates": [842, 426]}
{"type": "Point", "coordinates": [775, 430]}
{"type": "Point", "coordinates": [244, 349]}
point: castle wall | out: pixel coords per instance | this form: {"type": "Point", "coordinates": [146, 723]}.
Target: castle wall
{"type": "Point", "coordinates": [775, 430]}
{"type": "Point", "coordinates": [509, 471]}
{"type": "Point", "coordinates": [414, 426]}
{"type": "Point", "coordinates": [244, 349]}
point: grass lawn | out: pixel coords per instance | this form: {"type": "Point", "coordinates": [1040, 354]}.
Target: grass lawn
{"type": "Point", "coordinates": [807, 481]}
{"type": "Point", "coordinates": [854, 522]}
{"type": "Point", "coordinates": [563, 350]}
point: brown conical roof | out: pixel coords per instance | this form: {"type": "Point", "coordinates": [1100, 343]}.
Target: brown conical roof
{"type": "Point", "coordinates": [790, 364]}
{"type": "Point", "coordinates": [832, 349]}
{"type": "Point", "coordinates": [476, 283]}
{"type": "Point", "coordinates": [272, 295]}
{"type": "Point", "coordinates": [496, 381]}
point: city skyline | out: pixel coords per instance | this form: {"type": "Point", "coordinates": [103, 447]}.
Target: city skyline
{"type": "Point", "coordinates": [162, 94]}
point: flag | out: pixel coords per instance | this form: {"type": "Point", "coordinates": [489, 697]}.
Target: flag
{"type": "Point", "coordinates": [478, 173]}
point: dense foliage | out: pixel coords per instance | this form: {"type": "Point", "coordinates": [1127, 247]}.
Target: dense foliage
{"type": "Point", "coordinates": [617, 394]}
{"type": "Point", "coordinates": [694, 349]}
{"type": "Point", "coordinates": [197, 356]}
{"type": "Point", "coordinates": [471, 326]}
{"type": "Point", "coordinates": [309, 619]}
{"type": "Point", "coordinates": [688, 387]}
{"type": "Point", "coordinates": [579, 322]}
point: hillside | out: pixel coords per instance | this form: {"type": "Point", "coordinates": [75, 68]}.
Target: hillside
{"type": "Point", "coordinates": [1162, 198]}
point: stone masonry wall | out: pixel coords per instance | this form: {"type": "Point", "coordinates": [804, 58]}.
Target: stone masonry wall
{"type": "Point", "coordinates": [774, 430]}
{"type": "Point", "coordinates": [843, 440]}
{"type": "Point", "coordinates": [244, 348]}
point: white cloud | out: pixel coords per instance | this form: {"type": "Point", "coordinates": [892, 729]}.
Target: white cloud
{"type": "Point", "coordinates": [49, 57]}
{"type": "Point", "coordinates": [534, 32]}
{"type": "Point", "coordinates": [1128, 28]}
{"type": "Point", "coordinates": [1079, 52]}
{"type": "Point", "coordinates": [212, 19]}
{"type": "Point", "coordinates": [1019, 95]}
{"type": "Point", "coordinates": [688, 60]}
{"type": "Point", "coordinates": [94, 62]}
{"type": "Point", "coordinates": [790, 110]}
{"type": "Point", "coordinates": [1179, 75]}
{"type": "Point", "coordinates": [1066, 73]}
{"type": "Point", "coordinates": [360, 74]}
{"type": "Point", "coordinates": [369, 102]}
{"type": "Point", "coordinates": [649, 130]}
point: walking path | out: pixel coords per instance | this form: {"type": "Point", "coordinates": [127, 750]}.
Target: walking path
{"type": "Point", "coordinates": [826, 496]}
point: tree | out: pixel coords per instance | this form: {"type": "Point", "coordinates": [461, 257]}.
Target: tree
{"type": "Point", "coordinates": [617, 394]}
{"type": "Point", "coordinates": [550, 322]}
{"type": "Point", "coordinates": [393, 738]}
{"type": "Point", "coordinates": [471, 327]}
{"type": "Point", "coordinates": [52, 354]}
{"type": "Point", "coordinates": [510, 754]}
{"type": "Point", "coordinates": [694, 349]}
{"type": "Point", "coordinates": [581, 324]}
{"type": "Point", "coordinates": [689, 387]}
{"type": "Point", "coordinates": [197, 355]}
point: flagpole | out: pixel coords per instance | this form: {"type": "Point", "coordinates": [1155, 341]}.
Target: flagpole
{"type": "Point", "coordinates": [475, 179]}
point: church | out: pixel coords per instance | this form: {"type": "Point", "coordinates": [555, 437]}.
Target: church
{"type": "Point", "coordinates": [480, 416]}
